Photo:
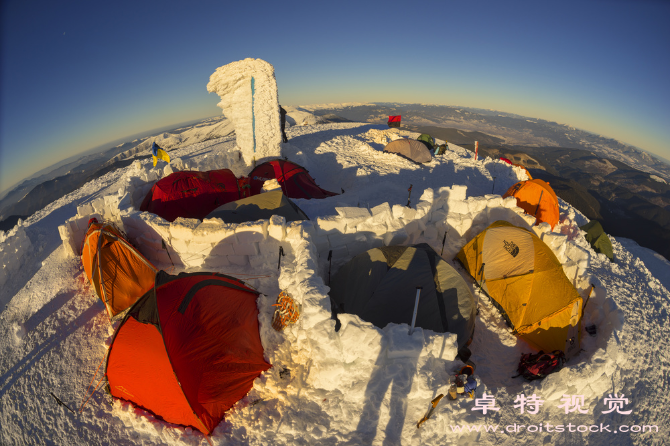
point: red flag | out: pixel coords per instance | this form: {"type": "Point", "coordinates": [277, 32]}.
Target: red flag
{"type": "Point", "coordinates": [394, 121]}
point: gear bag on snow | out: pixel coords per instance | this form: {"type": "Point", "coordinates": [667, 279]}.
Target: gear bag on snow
{"type": "Point", "coordinates": [538, 365]}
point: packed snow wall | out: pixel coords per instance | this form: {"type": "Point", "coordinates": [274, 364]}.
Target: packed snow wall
{"type": "Point", "coordinates": [15, 249]}
{"type": "Point", "coordinates": [445, 219]}
{"type": "Point", "coordinates": [248, 91]}
{"type": "Point", "coordinates": [445, 215]}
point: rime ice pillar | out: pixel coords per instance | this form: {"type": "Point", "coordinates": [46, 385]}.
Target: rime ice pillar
{"type": "Point", "coordinates": [248, 91]}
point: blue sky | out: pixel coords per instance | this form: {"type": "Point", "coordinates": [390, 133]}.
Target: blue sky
{"type": "Point", "coordinates": [78, 74]}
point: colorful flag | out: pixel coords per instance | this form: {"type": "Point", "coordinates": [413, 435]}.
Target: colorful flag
{"type": "Point", "coordinates": [159, 153]}
{"type": "Point", "coordinates": [394, 121]}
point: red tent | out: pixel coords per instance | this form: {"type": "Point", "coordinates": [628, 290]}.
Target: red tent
{"type": "Point", "coordinates": [192, 194]}
{"type": "Point", "coordinates": [294, 180]}
{"type": "Point", "coordinates": [189, 349]}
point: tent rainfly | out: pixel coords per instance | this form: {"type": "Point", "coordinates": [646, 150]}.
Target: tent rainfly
{"type": "Point", "coordinates": [411, 149]}
{"type": "Point", "coordinates": [380, 287]}
{"type": "Point", "coordinates": [526, 282]}
{"type": "Point", "coordinates": [259, 207]}
{"type": "Point", "coordinates": [536, 198]}
{"type": "Point", "coordinates": [600, 242]}
{"type": "Point", "coordinates": [294, 180]}
{"type": "Point", "coordinates": [119, 273]}
{"type": "Point", "coordinates": [189, 349]}
{"type": "Point", "coordinates": [192, 194]}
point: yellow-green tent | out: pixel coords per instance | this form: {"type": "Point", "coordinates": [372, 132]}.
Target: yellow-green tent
{"type": "Point", "coordinates": [527, 284]}
{"type": "Point", "coordinates": [600, 242]}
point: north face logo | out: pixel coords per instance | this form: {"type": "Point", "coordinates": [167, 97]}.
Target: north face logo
{"type": "Point", "coordinates": [511, 248]}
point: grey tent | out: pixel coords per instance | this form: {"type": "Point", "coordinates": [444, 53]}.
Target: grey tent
{"type": "Point", "coordinates": [259, 207]}
{"type": "Point", "coordinates": [413, 150]}
{"type": "Point", "coordinates": [380, 287]}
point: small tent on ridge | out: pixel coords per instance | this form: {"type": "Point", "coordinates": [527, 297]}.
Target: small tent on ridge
{"type": "Point", "coordinates": [294, 180]}
{"type": "Point", "coordinates": [380, 287]}
{"type": "Point", "coordinates": [526, 282]}
{"type": "Point", "coordinates": [411, 149]}
{"type": "Point", "coordinates": [428, 140]}
{"type": "Point", "coordinates": [189, 349]}
{"type": "Point", "coordinates": [119, 273]}
{"type": "Point", "coordinates": [595, 235]}
{"type": "Point", "coordinates": [259, 207]}
{"type": "Point", "coordinates": [192, 194]}
{"type": "Point", "coordinates": [536, 198]}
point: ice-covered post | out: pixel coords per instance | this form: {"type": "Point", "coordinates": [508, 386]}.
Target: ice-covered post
{"type": "Point", "coordinates": [248, 91]}
{"type": "Point", "coordinates": [416, 309]}
{"type": "Point", "coordinates": [476, 149]}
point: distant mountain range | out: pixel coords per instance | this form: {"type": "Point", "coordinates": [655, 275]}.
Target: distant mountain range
{"type": "Point", "coordinates": [35, 193]}
{"type": "Point", "coordinates": [505, 128]}
{"type": "Point", "coordinates": [625, 188]}
{"type": "Point", "coordinates": [629, 202]}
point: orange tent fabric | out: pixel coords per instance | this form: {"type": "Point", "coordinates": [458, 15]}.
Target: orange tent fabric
{"type": "Point", "coordinates": [119, 273]}
{"type": "Point", "coordinates": [537, 198]}
{"type": "Point", "coordinates": [189, 349]}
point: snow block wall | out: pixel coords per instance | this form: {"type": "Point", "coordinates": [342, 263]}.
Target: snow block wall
{"type": "Point", "coordinates": [248, 91]}
{"type": "Point", "coordinates": [445, 215]}
{"type": "Point", "coordinates": [14, 248]}
{"type": "Point", "coordinates": [332, 356]}
{"type": "Point", "coordinates": [327, 356]}
{"type": "Point", "coordinates": [445, 219]}
{"type": "Point", "coordinates": [185, 243]}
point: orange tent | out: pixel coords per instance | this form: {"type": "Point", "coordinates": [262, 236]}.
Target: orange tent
{"type": "Point", "coordinates": [189, 349]}
{"type": "Point", "coordinates": [119, 273]}
{"type": "Point", "coordinates": [537, 198]}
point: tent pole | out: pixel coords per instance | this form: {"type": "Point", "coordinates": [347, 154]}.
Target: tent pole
{"type": "Point", "coordinates": [537, 208]}
{"type": "Point", "coordinates": [416, 309]}
{"type": "Point", "coordinates": [587, 299]}
{"type": "Point", "coordinates": [330, 263]}
{"type": "Point", "coordinates": [281, 253]}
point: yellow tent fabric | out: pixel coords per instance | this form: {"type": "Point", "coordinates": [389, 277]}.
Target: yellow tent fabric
{"type": "Point", "coordinates": [527, 284]}
{"type": "Point", "coordinates": [118, 272]}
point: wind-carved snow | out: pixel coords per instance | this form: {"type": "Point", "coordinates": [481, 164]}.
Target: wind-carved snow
{"type": "Point", "coordinates": [248, 91]}
{"type": "Point", "coordinates": [363, 384]}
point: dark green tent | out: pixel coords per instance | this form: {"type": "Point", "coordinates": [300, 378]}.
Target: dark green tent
{"type": "Point", "coordinates": [428, 140]}
{"type": "Point", "coordinates": [380, 286]}
{"type": "Point", "coordinates": [596, 236]}
{"type": "Point", "coordinates": [259, 207]}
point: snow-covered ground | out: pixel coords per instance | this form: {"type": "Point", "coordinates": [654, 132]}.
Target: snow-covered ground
{"type": "Point", "coordinates": [361, 385]}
